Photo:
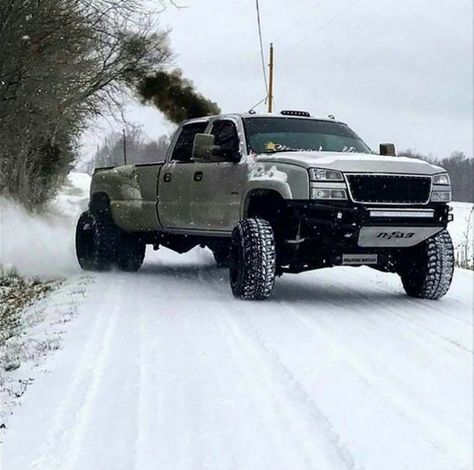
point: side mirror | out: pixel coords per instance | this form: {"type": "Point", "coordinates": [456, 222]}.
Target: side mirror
{"type": "Point", "coordinates": [388, 150]}
{"type": "Point", "coordinates": [203, 148]}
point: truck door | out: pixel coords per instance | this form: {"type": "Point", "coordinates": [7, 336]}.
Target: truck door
{"type": "Point", "coordinates": [217, 192]}
{"type": "Point", "coordinates": [175, 181]}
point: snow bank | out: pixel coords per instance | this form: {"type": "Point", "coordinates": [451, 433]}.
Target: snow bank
{"type": "Point", "coordinates": [43, 245]}
{"type": "Point", "coordinates": [462, 231]}
{"type": "Point", "coordinates": [43, 325]}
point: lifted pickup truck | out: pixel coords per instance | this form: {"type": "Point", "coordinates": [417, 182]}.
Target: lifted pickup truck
{"type": "Point", "coordinates": [274, 194]}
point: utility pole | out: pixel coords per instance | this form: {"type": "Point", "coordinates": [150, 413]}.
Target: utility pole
{"type": "Point", "coordinates": [270, 82]}
{"type": "Point", "coordinates": [124, 147]}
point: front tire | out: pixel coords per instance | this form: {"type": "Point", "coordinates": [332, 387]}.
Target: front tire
{"type": "Point", "coordinates": [252, 264]}
{"type": "Point", "coordinates": [429, 267]}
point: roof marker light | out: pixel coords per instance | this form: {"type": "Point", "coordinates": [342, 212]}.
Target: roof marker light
{"type": "Point", "coordinates": [295, 113]}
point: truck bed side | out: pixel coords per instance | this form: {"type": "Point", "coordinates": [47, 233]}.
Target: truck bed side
{"type": "Point", "coordinates": [132, 192]}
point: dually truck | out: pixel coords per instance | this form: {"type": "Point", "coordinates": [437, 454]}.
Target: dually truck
{"type": "Point", "coordinates": [275, 194]}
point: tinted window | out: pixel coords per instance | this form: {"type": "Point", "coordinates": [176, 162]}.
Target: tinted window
{"type": "Point", "coordinates": [226, 136]}
{"type": "Point", "coordinates": [270, 135]}
{"type": "Point", "coordinates": [184, 145]}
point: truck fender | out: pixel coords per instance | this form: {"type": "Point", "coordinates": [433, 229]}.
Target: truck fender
{"type": "Point", "coordinates": [262, 191]}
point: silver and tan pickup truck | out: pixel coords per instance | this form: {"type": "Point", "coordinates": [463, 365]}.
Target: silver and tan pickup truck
{"type": "Point", "coordinates": [274, 194]}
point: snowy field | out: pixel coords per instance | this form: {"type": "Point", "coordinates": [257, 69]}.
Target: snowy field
{"type": "Point", "coordinates": [164, 369]}
{"type": "Point", "coordinates": [462, 232]}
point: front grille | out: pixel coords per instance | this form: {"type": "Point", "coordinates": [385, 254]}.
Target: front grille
{"type": "Point", "coordinates": [390, 189]}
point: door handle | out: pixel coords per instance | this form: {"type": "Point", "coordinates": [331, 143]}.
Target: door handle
{"type": "Point", "coordinates": [198, 176]}
{"type": "Point", "coordinates": [167, 177]}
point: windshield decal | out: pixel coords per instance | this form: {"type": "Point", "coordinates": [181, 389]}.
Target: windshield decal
{"type": "Point", "coordinates": [272, 147]}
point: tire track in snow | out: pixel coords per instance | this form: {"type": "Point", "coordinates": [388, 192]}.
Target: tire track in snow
{"type": "Point", "coordinates": [208, 384]}
{"type": "Point", "coordinates": [430, 331]}
{"type": "Point", "coordinates": [425, 420]}
{"type": "Point", "coordinates": [270, 361]}
{"type": "Point", "coordinates": [57, 436]}
{"type": "Point", "coordinates": [424, 305]}
{"type": "Point", "coordinates": [419, 422]}
{"type": "Point", "coordinates": [110, 309]}
{"type": "Point", "coordinates": [64, 443]}
{"type": "Point", "coordinates": [345, 289]}
{"type": "Point", "coordinates": [274, 415]}
{"type": "Point", "coordinates": [146, 389]}
{"type": "Point", "coordinates": [181, 439]}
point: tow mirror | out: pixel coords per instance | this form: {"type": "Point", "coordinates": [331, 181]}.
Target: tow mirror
{"type": "Point", "coordinates": [203, 148]}
{"type": "Point", "coordinates": [388, 150]}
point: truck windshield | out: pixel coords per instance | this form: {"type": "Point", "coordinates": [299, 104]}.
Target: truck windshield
{"type": "Point", "coordinates": [271, 135]}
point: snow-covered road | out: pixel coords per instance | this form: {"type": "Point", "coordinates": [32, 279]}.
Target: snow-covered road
{"type": "Point", "coordinates": [164, 370]}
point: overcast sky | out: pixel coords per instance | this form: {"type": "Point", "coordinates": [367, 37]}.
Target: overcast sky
{"type": "Point", "coordinates": [395, 70]}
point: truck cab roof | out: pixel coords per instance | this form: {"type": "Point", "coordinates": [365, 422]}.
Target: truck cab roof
{"type": "Point", "coordinates": [282, 114]}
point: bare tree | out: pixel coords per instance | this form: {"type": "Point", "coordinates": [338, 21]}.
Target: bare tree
{"type": "Point", "coordinates": [62, 62]}
{"type": "Point", "coordinates": [139, 149]}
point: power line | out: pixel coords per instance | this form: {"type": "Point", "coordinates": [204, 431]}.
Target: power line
{"type": "Point", "coordinates": [298, 21]}
{"type": "Point", "coordinates": [262, 54]}
{"type": "Point", "coordinates": [324, 25]}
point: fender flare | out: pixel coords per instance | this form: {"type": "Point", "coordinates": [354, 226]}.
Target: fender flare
{"type": "Point", "coordinates": [99, 202]}
{"type": "Point", "coordinates": [270, 188]}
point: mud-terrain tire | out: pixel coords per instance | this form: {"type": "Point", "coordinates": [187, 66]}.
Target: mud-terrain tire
{"type": "Point", "coordinates": [131, 253]}
{"type": "Point", "coordinates": [97, 241]}
{"type": "Point", "coordinates": [252, 263]}
{"type": "Point", "coordinates": [428, 270]}
{"type": "Point", "coordinates": [221, 256]}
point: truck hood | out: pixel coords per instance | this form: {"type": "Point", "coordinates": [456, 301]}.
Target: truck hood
{"type": "Point", "coordinates": [353, 162]}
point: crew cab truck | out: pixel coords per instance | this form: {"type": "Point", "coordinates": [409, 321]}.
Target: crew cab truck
{"type": "Point", "coordinates": [275, 194]}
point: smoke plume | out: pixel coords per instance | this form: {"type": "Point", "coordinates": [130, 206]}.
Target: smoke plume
{"type": "Point", "coordinates": [175, 96]}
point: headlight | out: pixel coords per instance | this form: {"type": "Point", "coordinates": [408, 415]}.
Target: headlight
{"type": "Point", "coordinates": [441, 196]}
{"type": "Point", "coordinates": [334, 194]}
{"type": "Point", "coordinates": [325, 175]}
{"type": "Point", "coordinates": [442, 179]}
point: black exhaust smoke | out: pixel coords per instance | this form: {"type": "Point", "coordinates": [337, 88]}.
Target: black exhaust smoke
{"type": "Point", "coordinates": [175, 96]}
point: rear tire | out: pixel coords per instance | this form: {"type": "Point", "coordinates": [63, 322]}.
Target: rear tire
{"type": "Point", "coordinates": [429, 267]}
{"type": "Point", "coordinates": [85, 241]}
{"type": "Point", "coordinates": [97, 239]}
{"type": "Point", "coordinates": [101, 245]}
{"type": "Point", "coordinates": [252, 264]}
{"type": "Point", "coordinates": [131, 253]}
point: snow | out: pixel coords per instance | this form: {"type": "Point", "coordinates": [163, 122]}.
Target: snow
{"type": "Point", "coordinates": [339, 369]}
{"type": "Point", "coordinates": [462, 230]}
{"type": "Point", "coordinates": [45, 323]}
{"type": "Point", "coordinates": [43, 245]}
{"type": "Point", "coordinates": [126, 178]}
{"type": "Point", "coordinates": [259, 172]}
{"type": "Point", "coordinates": [74, 196]}
{"type": "Point", "coordinates": [164, 369]}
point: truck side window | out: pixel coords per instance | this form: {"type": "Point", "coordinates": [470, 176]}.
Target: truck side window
{"type": "Point", "coordinates": [183, 148]}
{"type": "Point", "coordinates": [226, 136]}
